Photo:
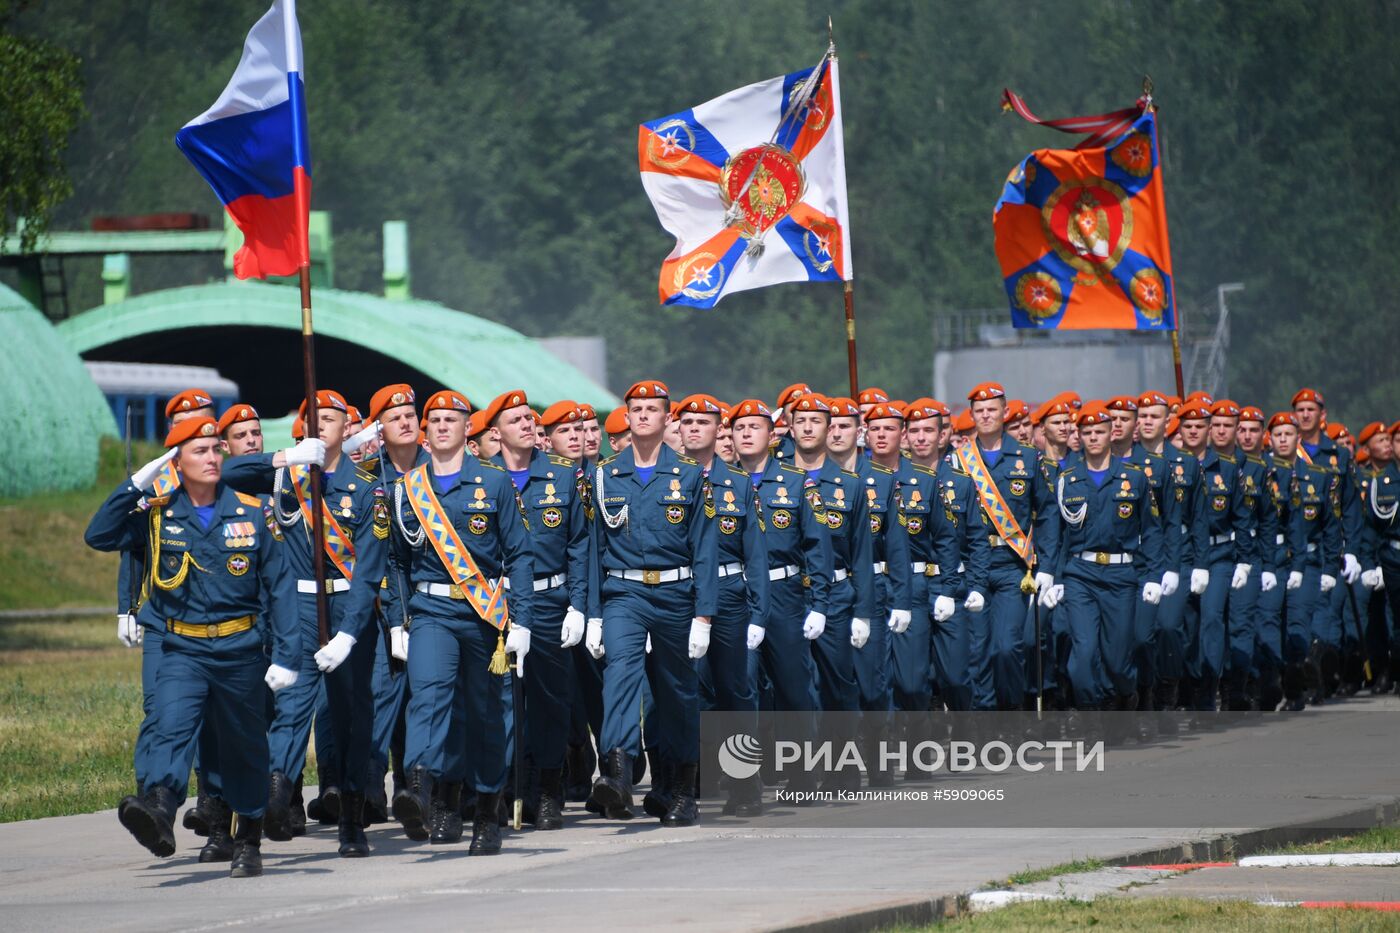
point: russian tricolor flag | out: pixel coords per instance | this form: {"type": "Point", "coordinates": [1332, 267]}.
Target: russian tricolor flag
{"type": "Point", "coordinates": [252, 148]}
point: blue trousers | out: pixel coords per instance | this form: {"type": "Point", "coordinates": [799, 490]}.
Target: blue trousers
{"type": "Point", "coordinates": [1301, 609]}
{"type": "Point", "coordinates": [1268, 630]}
{"type": "Point", "coordinates": [1145, 643]}
{"type": "Point", "coordinates": [152, 639]}
{"type": "Point", "coordinates": [952, 650]}
{"type": "Point", "coordinates": [390, 701]}
{"type": "Point", "coordinates": [1173, 643]}
{"type": "Point", "coordinates": [549, 682]}
{"type": "Point", "coordinates": [833, 654]}
{"type": "Point", "coordinates": [1098, 609]}
{"type": "Point", "coordinates": [998, 652]}
{"type": "Point", "coordinates": [785, 657]}
{"type": "Point", "coordinates": [1243, 619]}
{"type": "Point", "coordinates": [911, 653]}
{"type": "Point", "coordinates": [1047, 651]}
{"type": "Point", "coordinates": [727, 681]}
{"type": "Point", "coordinates": [344, 746]}
{"type": "Point", "coordinates": [631, 611]}
{"type": "Point", "coordinates": [455, 723]}
{"type": "Point", "coordinates": [873, 659]}
{"type": "Point", "coordinates": [1207, 660]}
{"type": "Point", "coordinates": [217, 684]}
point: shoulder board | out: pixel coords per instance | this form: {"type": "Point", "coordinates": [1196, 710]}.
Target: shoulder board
{"type": "Point", "coordinates": [850, 474]}
{"type": "Point", "coordinates": [560, 461]}
{"type": "Point", "coordinates": [1131, 466]}
{"type": "Point", "coordinates": [882, 469]}
{"type": "Point", "coordinates": [737, 470]}
{"type": "Point", "coordinates": [370, 465]}
{"type": "Point", "coordinates": [243, 497]}
{"type": "Point", "coordinates": [365, 474]}
{"type": "Point", "coordinates": [606, 460]}
{"type": "Point", "coordinates": [156, 502]}
{"type": "Point", "coordinates": [1255, 458]}
{"type": "Point", "coordinates": [494, 466]}
{"type": "Point", "coordinates": [923, 469]}
{"type": "Point", "coordinates": [686, 460]}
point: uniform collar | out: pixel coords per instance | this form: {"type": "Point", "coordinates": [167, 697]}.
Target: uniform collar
{"type": "Point", "coordinates": [626, 463]}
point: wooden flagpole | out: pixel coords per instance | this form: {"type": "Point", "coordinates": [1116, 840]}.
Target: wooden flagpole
{"type": "Point", "coordinates": [1151, 107]}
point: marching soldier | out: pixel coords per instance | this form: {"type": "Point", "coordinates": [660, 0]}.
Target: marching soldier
{"type": "Point", "coordinates": [463, 537]}
{"type": "Point", "coordinates": [217, 581]}
{"type": "Point", "coordinates": [555, 497]}
{"type": "Point", "coordinates": [590, 434]}
{"type": "Point", "coordinates": [1381, 491]}
{"type": "Point", "coordinates": [655, 574]}
{"type": "Point", "coordinates": [1263, 577]}
{"type": "Point", "coordinates": [1024, 525]}
{"type": "Point", "coordinates": [783, 440]}
{"type": "Point", "coordinates": [619, 434]}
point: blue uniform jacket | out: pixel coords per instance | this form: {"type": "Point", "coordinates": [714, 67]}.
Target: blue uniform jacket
{"type": "Point", "coordinates": [482, 506]}
{"type": "Point", "coordinates": [935, 533]}
{"type": "Point", "coordinates": [1184, 507]}
{"type": "Point", "coordinates": [1121, 516]}
{"type": "Point", "coordinates": [1022, 483]}
{"type": "Point", "coordinates": [1154, 467]}
{"type": "Point", "coordinates": [555, 496]}
{"type": "Point", "coordinates": [1228, 515]}
{"type": "Point", "coordinates": [665, 527]}
{"type": "Point", "coordinates": [1339, 461]}
{"type": "Point", "coordinates": [735, 509]}
{"type": "Point", "coordinates": [1255, 473]}
{"type": "Point", "coordinates": [848, 522]}
{"type": "Point", "coordinates": [230, 567]}
{"type": "Point", "coordinates": [795, 529]}
{"type": "Point", "coordinates": [889, 537]}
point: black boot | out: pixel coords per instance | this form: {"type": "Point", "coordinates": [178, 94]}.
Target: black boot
{"type": "Point", "coordinates": [353, 843]}
{"type": "Point", "coordinates": [613, 789]}
{"type": "Point", "coordinates": [447, 813]}
{"type": "Point", "coordinates": [413, 804]}
{"type": "Point", "coordinates": [486, 826]}
{"type": "Point", "coordinates": [151, 819]}
{"type": "Point", "coordinates": [745, 797]}
{"type": "Point", "coordinates": [199, 817]}
{"type": "Point", "coordinates": [877, 773]}
{"type": "Point", "coordinates": [683, 811]}
{"type": "Point", "coordinates": [330, 805]}
{"type": "Point", "coordinates": [657, 801]}
{"type": "Point", "coordinates": [298, 812]}
{"type": "Point", "coordinates": [247, 848]}
{"type": "Point", "coordinates": [550, 813]}
{"type": "Point", "coordinates": [376, 803]}
{"type": "Point", "coordinates": [278, 822]}
{"type": "Point", "coordinates": [579, 762]}
{"type": "Point", "coordinates": [219, 848]}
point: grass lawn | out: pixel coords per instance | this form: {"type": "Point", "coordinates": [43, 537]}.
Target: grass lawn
{"type": "Point", "coordinates": [1120, 913]}
{"type": "Point", "coordinates": [44, 563]}
{"type": "Point", "coordinates": [1378, 839]}
{"type": "Point", "coordinates": [70, 703]}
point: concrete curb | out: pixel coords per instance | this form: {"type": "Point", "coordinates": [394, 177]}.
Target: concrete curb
{"type": "Point", "coordinates": [1225, 847]}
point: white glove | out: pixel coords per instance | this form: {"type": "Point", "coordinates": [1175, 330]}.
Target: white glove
{"type": "Point", "coordinates": [648, 644]}
{"type": "Point", "coordinates": [398, 643]}
{"type": "Point", "coordinates": [1241, 576]}
{"type": "Point", "coordinates": [335, 652]}
{"type": "Point", "coordinates": [699, 639]}
{"type": "Point", "coordinates": [279, 678]}
{"type": "Point", "coordinates": [1049, 598]}
{"type": "Point", "coordinates": [361, 437]}
{"type": "Point", "coordinates": [813, 626]}
{"type": "Point", "coordinates": [975, 602]}
{"type": "Point", "coordinates": [1170, 581]}
{"type": "Point", "coordinates": [900, 619]}
{"type": "Point", "coordinates": [1295, 579]}
{"type": "Point", "coordinates": [945, 606]}
{"type": "Point", "coordinates": [1200, 579]}
{"type": "Point", "coordinates": [128, 631]}
{"type": "Point", "coordinates": [518, 644]}
{"type": "Point", "coordinates": [1380, 578]}
{"type": "Point", "coordinates": [756, 633]}
{"type": "Point", "coordinates": [593, 641]}
{"type": "Point", "coordinates": [860, 633]}
{"type": "Point", "coordinates": [1059, 590]}
{"type": "Point", "coordinates": [1328, 582]}
{"type": "Point", "coordinates": [1351, 568]}
{"type": "Point", "coordinates": [143, 477]}
{"type": "Point", "coordinates": [1152, 593]}
{"type": "Point", "coordinates": [309, 452]}
{"type": "Point", "coordinates": [571, 632]}
{"type": "Point", "coordinates": [1267, 581]}
{"type": "Point", "coordinates": [1043, 581]}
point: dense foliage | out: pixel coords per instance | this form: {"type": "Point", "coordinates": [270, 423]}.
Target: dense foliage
{"type": "Point", "coordinates": [506, 134]}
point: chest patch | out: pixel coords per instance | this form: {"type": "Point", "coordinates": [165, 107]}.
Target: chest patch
{"type": "Point", "coordinates": [551, 517]}
{"type": "Point", "coordinates": [237, 564]}
{"type": "Point", "coordinates": [781, 518]}
{"type": "Point", "coordinates": [728, 524]}
{"type": "Point", "coordinates": [478, 524]}
{"type": "Point", "coordinates": [1125, 510]}
{"type": "Point", "coordinates": [1018, 487]}
{"type": "Point", "coordinates": [675, 514]}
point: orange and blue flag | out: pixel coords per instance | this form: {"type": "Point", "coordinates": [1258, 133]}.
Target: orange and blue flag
{"type": "Point", "coordinates": [252, 148]}
{"type": "Point", "coordinates": [1081, 234]}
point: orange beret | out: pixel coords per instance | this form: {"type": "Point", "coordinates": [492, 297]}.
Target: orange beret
{"type": "Point", "coordinates": [647, 388]}
{"type": "Point", "coordinates": [1370, 431]}
{"type": "Point", "coordinates": [1192, 412]}
{"type": "Point", "coordinates": [985, 390]}
{"type": "Point", "coordinates": [873, 396]}
{"type": "Point", "coordinates": [1173, 425]}
{"type": "Point", "coordinates": [921, 409]}
{"type": "Point", "coordinates": [1394, 428]}
{"type": "Point", "coordinates": [298, 428]}
{"type": "Point", "coordinates": [587, 413]}
{"type": "Point", "coordinates": [1092, 413]}
{"type": "Point", "coordinates": [565, 412]}
{"type": "Point", "coordinates": [1283, 418]}
{"type": "Point", "coordinates": [884, 410]}
{"type": "Point", "coordinates": [811, 402]}
{"type": "Point", "coordinates": [1016, 410]}
{"type": "Point", "coordinates": [1307, 395]}
{"type": "Point", "coordinates": [941, 407]}
{"type": "Point", "coordinates": [962, 421]}
{"type": "Point", "coordinates": [237, 413]}
{"type": "Point", "coordinates": [1251, 413]}
{"type": "Point", "coordinates": [1071, 400]}
{"type": "Point", "coordinates": [1173, 401]}
{"type": "Point", "coordinates": [326, 398]}
{"type": "Point", "coordinates": [698, 404]}
{"type": "Point", "coordinates": [792, 393]}
{"type": "Point", "coordinates": [390, 397]}
{"type": "Point", "coordinates": [1205, 398]}
{"type": "Point", "coordinates": [191, 428]}
{"type": "Point", "coordinates": [354, 416]}
{"type": "Point", "coordinates": [1152, 397]}
{"type": "Point", "coordinates": [616, 422]}
{"type": "Point", "coordinates": [1225, 409]}
{"type": "Point", "coordinates": [188, 400]}
{"type": "Point", "coordinates": [1363, 455]}
{"type": "Point", "coordinates": [844, 407]}
{"type": "Point", "coordinates": [1050, 409]}
{"type": "Point", "coordinates": [503, 401]}
{"type": "Point", "coordinates": [452, 401]}
{"type": "Point", "coordinates": [1122, 403]}
{"type": "Point", "coordinates": [750, 408]}
{"type": "Point", "coordinates": [1336, 429]}
{"type": "Point", "coordinates": [476, 423]}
